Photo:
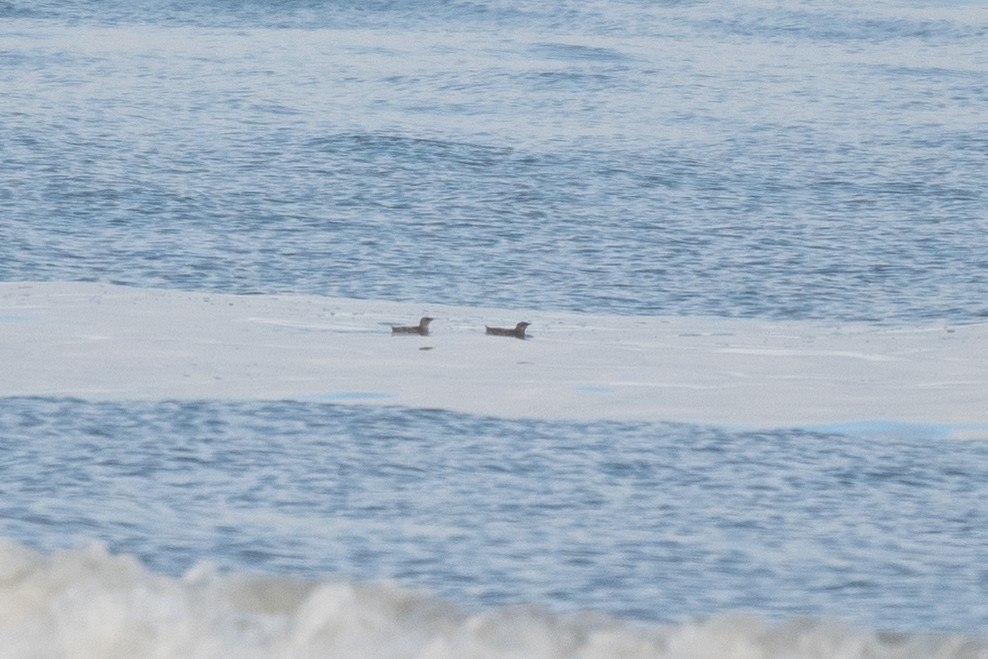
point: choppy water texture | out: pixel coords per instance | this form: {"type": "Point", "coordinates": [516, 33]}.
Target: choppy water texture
{"type": "Point", "coordinates": [784, 160]}
{"type": "Point", "coordinates": [645, 522]}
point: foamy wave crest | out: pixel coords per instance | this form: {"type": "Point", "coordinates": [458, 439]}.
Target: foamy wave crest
{"type": "Point", "coordinates": [88, 603]}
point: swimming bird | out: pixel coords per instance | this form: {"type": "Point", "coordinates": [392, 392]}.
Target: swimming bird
{"type": "Point", "coordinates": [518, 331]}
{"type": "Point", "coordinates": [422, 329]}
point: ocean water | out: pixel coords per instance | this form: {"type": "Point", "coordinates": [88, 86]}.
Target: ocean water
{"type": "Point", "coordinates": [788, 159]}
{"type": "Point", "coordinates": [540, 521]}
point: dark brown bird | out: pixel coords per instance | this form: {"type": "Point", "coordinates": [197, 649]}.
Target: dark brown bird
{"type": "Point", "coordinates": [422, 329]}
{"type": "Point", "coordinates": [518, 331]}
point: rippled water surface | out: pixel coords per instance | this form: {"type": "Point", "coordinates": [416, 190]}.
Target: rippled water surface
{"type": "Point", "coordinates": [792, 160]}
{"type": "Point", "coordinates": [655, 522]}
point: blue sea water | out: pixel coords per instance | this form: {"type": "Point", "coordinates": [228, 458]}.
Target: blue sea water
{"type": "Point", "coordinates": [793, 160]}
{"type": "Point", "coordinates": [643, 521]}
{"type": "Point", "coordinates": [790, 160]}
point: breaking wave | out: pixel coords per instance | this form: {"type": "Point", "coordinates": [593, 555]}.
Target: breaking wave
{"type": "Point", "coordinates": [88, 602]}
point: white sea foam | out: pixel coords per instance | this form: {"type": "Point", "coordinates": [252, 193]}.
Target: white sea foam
{"type": "Point", "coordinates": [86, 603]}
